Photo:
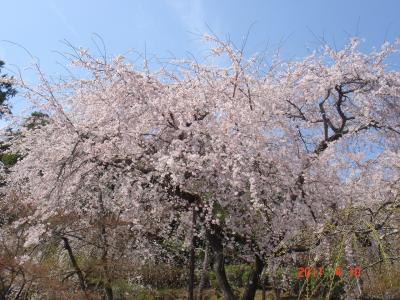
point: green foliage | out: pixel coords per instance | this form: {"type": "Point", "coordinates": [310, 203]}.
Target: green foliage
{"type": "Point", "coordinates": [6, 91]}
{"type": "Point", "coordinates": [9, 159]}
{"type": "Point", "coordinates": [36, 120]}
{"type": "Point", "coordinates": [237, 275]}
{"type": "Point", "coordinates": [219, 212]}
{"type": "Point", "coordinates": [162, 275]}
{"type": "Point", "coordinates": [319, 286]}
{"type": "Point", "coordinates": [141, 293]}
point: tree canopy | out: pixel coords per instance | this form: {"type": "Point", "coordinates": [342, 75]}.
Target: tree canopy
{"type": "Point", "coordinates": [261, 161]}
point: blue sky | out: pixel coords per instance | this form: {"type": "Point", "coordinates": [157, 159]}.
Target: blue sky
{"type": "Point", "coordinates": [167, 27]}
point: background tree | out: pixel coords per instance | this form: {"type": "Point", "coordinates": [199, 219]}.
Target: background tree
{"type": "Point", "coordinates": [6, 91]}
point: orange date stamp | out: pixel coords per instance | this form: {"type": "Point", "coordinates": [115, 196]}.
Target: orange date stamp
{"type": "Point", "coordinates": [320, 272]}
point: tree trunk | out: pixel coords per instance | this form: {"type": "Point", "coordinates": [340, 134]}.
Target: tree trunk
{"type": "Point", "coordinates": [215, 241]}
{"type": "Point", "coordinates": [104, 256]}
{"type": "Point", "coordinates": [219, 269]}
{"type": "Point", "coordinates": [74, 263]}
{"type": "Point", "coordinates": [277, 293]}
{"type": "Point", "coordinates": [192, 259]}
{"type": "Point", "coordinates": [109, 292]}
{"type": "Point", "coordinates": [264, 283]}
{"type": "Point", "coordinates": [203, 275]}
{"type": "Point", "coordinates": [254, 279]}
